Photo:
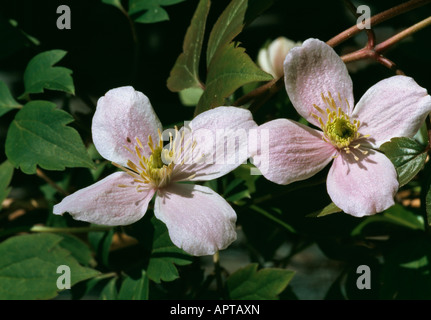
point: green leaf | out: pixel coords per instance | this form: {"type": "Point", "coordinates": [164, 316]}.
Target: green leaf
{"type": "Point", "coordinates": [6, 173]}
{"type": "Point", "coordinates": [154, 11]}
{"type": "Point", "coordinates": [39, 136]}
{"type": "Point", "coordinates": [227, 27]}
{"type": "Point", "coordinates": [153, 15]}
{"type": "Point", "coordinates": [428, 205]}
{"type": "Point", "coordinates": [28, 267]}
{"type": "Point", "coordinates": [407, 155]}
{"type": "Point", "coordinates": [229, 70]}
{"type": "Point", "coordinates": [185, 73]}
{"type": "Point", "coordinates": [79, 249]}
{"type": "Point", "coordinates": [115, 3]}
{"type": "Point", "coordinates": [232, 185]}
{"type": "Point", "coordinates": [396, 214]}
{"type": "Point", "coordinates": [40, 74]}
{"type": "Point", "coordinates": [243, 172]}
{"type": "Point", "coordinates": [7, 102]}
{"type": "Point", "coordinates": [272, 217]}
{"type": "Point", "coordinates": [255, 8]}
{"type": "Point", "coordinates": [135, 289]}
{"type": "Point", "coordinates": [416, 264]}
{"type": "Point", "coordinates": [109, 292]}
{"type": "Point", "coordinates": [190, 97]}
{"type": "Point", "coordinates": [266, 284]}
{"type": "Point", "coordinates": [165, 255]}
{"type": "Point", "coordinates": [13, 39]}
{"type": "Point", "coordinates": [101, 243]}
{"type": "Point", "coordinates": [329, 209]}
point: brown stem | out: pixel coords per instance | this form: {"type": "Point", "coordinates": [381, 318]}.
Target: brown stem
{"type": "Point", "coordinates": [385, 45]}
{"type": "Point", "coordinates": [272, 90]}
{"type": "Point", "coordinates": [370, 32]}
{"type": "Point", "coordinates": [42, 175]}
{"type": "Point", "coordinates": [254, 93]}
{"type": "Point", "coordinates": [376, 19]}
{"type": "Point", "coordinates": [372, 51]}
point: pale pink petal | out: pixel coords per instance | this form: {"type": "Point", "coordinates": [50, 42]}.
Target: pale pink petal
{"type": "Point", "coordinates": [364, 187]}
{"type": "Point", "coordinates": [313, 69]}
{"type": "Point", "coordinates": [106, 203]}
{"type": "Point", "coordinates": [220, 137]}
{"type": "Point", "coordinates": [123, 115]}
{"type": "Point", "coordinates": [286, 151]}
{"type": "Point", "coordinates": [199, 220]}
{"type": "Point", "coordinates": [394, 107]}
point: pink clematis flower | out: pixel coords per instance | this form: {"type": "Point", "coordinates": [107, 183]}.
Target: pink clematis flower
{"type": "Point", "coordinates": [199, 220]}
{"type": "Point", "coordinates": [361, 181]}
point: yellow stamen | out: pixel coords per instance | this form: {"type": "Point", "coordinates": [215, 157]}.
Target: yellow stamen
{"type": "Point", "coordinates": [338, 128]}
{"type": "Point", "coordinates": [157, 168]}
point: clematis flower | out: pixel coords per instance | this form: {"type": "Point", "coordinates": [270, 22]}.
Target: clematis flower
{"type": "Point", "coordinates": [199, 220]}
{"type": "Point", "coordinates": [361, 181]}
{"type": "Point", "coordinates": [271, 59]}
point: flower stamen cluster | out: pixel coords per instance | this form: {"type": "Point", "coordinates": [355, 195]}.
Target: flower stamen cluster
{"type": "Point", "coordinates": [338, 129]}
{"type": "Point", "coordinates": [158, 167]}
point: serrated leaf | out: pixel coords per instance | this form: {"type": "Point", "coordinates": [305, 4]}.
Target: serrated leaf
{"type": "Point", "coordinates": [266, 284]}
{"type": "Point", "coordinates": [28, 267]}
{"type": "Point", "coordinates": [134, 289]}
{"type": "Point", "coordinates": [7, 102]}
{"type": "Point", "coordinates": [407, 155]}
{"type": "Point", "coordinates": [39, 136]}
{"type": "Point", "coordinates": [41, 74]}
{"type": "Point", "coordinates": [154, 11]}
{"type": "Point", "coordinates": [165, 255]}
{"type": "Point", "coordinates": [226, 28]}
{"type": "Point", "coordinates": [6, 173]}
{"type": "Point", "coordinates": [185, 73]}
{"type": "Point", "coordinates": [229, 70]}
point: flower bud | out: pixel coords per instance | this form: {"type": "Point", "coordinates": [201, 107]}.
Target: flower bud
{"type": "Point", "coordinates": [271, 58]}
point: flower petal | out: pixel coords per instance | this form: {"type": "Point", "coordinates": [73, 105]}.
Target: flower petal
{"type": "Point", "coordinates": [286, 151]}
{"type": "Point", "coordinates": [364, 187]}
{"type": "Point", "coordinates": [123, 115]}
{"type": "Point", "coordinates": [199, 220]}
{"type": "Point", "coordinates": [313, 69]}
{"type": "Point", "coordinates": [106, 203]}
{"type": "Point", "coordinates": [221, 137]}
{"type": "Point", "coordinates": [393, 107]}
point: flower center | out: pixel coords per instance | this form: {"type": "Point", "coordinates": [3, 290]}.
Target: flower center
{"type": "Point", "coordinates": [338, 129]}
{"type": "Point", "coordinates": [158, 167]}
